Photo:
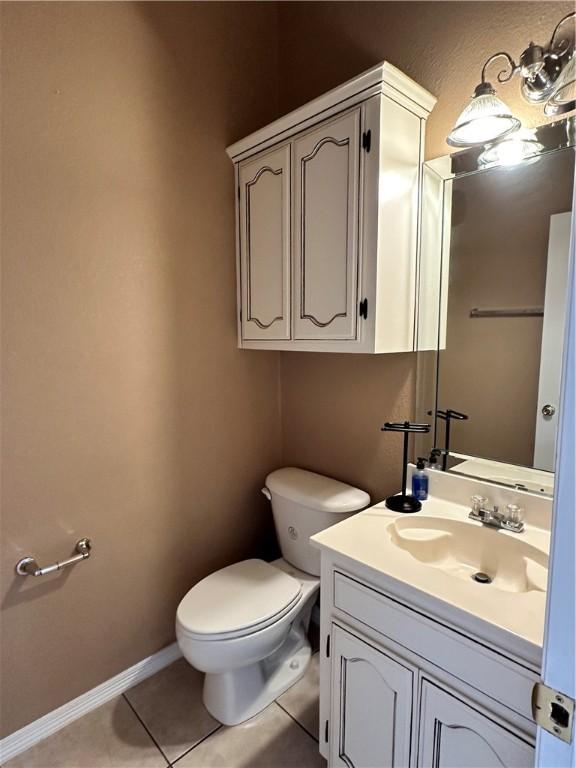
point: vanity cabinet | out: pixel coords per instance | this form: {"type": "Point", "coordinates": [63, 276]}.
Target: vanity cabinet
{"type": "Point", "coordinates": [328, 206]}
{"type": "Point", "coordinates": [371, 704]}
{"type": "Point", "coordinates": [454, 735]}
{"type": "Point", "coordinates": [401, 689]}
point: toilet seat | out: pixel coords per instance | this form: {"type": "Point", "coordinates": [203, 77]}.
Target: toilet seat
{"type": "Point", "coordinates": [238, 600]}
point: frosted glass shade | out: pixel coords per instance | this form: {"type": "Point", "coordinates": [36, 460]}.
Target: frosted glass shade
{"type": "Point", "coordinates": [564, 97]}
{"type": "Point", "coordinates": [511, 151]}
{"type": "Point", "coordinates": [484, 119]}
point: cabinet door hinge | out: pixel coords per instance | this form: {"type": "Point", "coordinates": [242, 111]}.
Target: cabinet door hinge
{"type": "Point", "coordinates": [553, 711]}
{"type": "Point", "coordinates": [364, 309]}
{"type": "Point", "coordinates": [367, 140]}
{"type": "Point", "coordinates": [326, 731]}
{"type": "Point", "coordinates": [327, 646]}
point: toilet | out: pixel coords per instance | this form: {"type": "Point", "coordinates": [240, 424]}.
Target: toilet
{"type": "Point", "coordinates": [246, 625]}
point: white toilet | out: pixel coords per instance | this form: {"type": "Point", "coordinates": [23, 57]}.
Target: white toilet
{"type": "Point", "coordinates": [246, 625]}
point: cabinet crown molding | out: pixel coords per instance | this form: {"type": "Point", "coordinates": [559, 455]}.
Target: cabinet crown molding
{"type": "Point", "coordinates": [384, 78]}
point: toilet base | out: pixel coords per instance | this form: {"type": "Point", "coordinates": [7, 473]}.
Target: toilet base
{"type": "Point", "coordinates": [233, 697]}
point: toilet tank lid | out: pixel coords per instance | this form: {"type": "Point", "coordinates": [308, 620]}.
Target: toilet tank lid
{"type": "Point", "coordinates": [316, 491]}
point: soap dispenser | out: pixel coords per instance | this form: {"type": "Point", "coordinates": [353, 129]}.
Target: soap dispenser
{"type": "Point", "coordinates": [420, 480]}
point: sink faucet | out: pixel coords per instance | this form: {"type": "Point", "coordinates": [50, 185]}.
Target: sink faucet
{"type": "Point", "coordinates": [511, 521]}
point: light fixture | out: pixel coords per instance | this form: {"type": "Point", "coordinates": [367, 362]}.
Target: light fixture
{"type": "Point", "coordinates": [548, 77]}
{"type": "Point", "coordinates": [518, 148]}
{"type": "Point", "coordinates": [485, 118]}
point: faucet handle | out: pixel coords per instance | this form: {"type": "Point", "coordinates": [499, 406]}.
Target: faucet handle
{"type": "Point", "coordinates": [514, 513]}
{"type": "Point", "coordinates": [478, 502]}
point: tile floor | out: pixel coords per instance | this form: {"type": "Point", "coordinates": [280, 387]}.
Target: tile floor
{"type": "Point", "coordinates": [162, 722]}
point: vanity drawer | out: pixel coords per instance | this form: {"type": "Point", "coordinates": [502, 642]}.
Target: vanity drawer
{"type": "Point", "coordinates": [469, 661]}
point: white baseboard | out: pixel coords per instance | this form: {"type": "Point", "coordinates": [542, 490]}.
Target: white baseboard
{"type": "Point", "coordinates": [45, 726]}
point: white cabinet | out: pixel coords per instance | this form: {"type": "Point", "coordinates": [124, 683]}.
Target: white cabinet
{"type": "Point", "coordinates": [328, 220]}
{"type": "Point", "coordinates": [327, 182]}
{"type": "Point", "coordinates": [401, 689]}
{"type": "Point", "coordinates": [264, 228]}
{"type": "Point", "coordinates": [371, 704]}
{"type": "Point", "coordinates": [454, 735]}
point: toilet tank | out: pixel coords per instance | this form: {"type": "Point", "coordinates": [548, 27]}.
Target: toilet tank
{"type": "Point", "coordinates": [304, 503]}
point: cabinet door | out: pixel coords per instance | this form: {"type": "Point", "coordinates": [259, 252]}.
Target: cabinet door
{"type": "Point", "coordinates": [264, 212]}
{"type": "Point", "coordinates": [327, 190]}
{"type": "Point", "coordinates": [454, 735]}
{"type": "Point", "coordinates": [371, 710]}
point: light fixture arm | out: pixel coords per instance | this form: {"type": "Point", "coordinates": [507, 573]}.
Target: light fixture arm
{"type": "Point", "coordinates": [556, 50]}
{"type": "Point", "coordinates": [505, 74]}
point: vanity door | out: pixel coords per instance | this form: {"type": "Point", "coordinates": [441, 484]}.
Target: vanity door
{"type": "Point", "coordinates": [264, 227]}
{"type": "Point", "coordinates": [326, 210]}
{"type": "Point", "coordinates": [454, 735]}
{"type": "Point", "coordinates": [371, 710]}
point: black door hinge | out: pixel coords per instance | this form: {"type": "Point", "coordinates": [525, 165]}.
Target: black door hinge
{"type": "Point", "coordinates": [364, 309]}
{"type": "Point", "coordinates": [326, 732]}
{"type": "Point", "coordinates": [367, 140]}
{"type": "Point", "coordinates": [327, 646]}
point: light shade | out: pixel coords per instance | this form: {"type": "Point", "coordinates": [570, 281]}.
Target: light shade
{"type": "Point", "coordinates": [564, 97]}
{"type": "Point", "coordinates": [512, 151]}
{"type": "Point", "coordinates": [484, 119]}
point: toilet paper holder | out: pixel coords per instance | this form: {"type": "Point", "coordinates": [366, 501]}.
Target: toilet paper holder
{"type": "Point", "coordinates": [28, 566]}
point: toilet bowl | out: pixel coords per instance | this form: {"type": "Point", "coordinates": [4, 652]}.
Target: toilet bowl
{"type": "Point", "coordinates": [253, 657]}
{"type": "Point", "coordinates": [246, 625]}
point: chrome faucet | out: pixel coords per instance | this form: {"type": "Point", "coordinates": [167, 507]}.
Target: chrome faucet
{"type": "Point", "coordinates": [511, 521]}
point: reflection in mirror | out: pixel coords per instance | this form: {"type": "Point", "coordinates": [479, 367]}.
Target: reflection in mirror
{"type": "Point", "coordinates": [498, 239]}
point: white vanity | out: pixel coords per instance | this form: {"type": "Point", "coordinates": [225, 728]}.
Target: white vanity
{"type": "Point", "coordinates": [420, 664]}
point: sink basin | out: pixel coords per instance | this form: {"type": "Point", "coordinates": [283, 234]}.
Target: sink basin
{"type": "Point", "coordinates": [463, 549]}
{"type": "Point", "coordinates": [428, 560]}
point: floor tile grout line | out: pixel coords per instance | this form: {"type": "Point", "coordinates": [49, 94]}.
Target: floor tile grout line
{"type": "Point", "coordinates": [143, 724]}
{"type": "Point", "coordinates": [297, 722]}
{"type": "Point", "coordinates": [192, 748]}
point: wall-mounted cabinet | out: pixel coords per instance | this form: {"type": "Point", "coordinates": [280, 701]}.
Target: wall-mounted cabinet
{"type": "Point", "coordinates": [328, 220]}
{"type": "Point", "coordinates": [264, 227]}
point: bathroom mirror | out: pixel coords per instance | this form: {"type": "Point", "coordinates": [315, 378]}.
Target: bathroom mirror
{"type": "Point", "coordinates": [495, 239]}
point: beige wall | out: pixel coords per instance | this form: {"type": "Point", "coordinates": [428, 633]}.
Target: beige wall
{"type": "Point", "coordinates": [333, 405]}
{"type": "Point", "coordinates": [332, 409]}
{"type": "Point", "coordinates": [129, 414]}
{"type": "Point", "coordinates": [442, 45]}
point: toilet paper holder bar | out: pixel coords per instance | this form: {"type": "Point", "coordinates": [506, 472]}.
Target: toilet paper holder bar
{"type": "Point", "coordinates": [29, 567]}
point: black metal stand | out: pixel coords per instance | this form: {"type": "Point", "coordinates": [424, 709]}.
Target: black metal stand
{"type": "Point", "coordinates": [405, 502]}
{"type": "Point", "coordinates": [448, 415]}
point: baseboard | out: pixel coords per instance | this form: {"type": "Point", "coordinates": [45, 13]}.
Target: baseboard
{"type": "Point", "coordinates": [45, 726]}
